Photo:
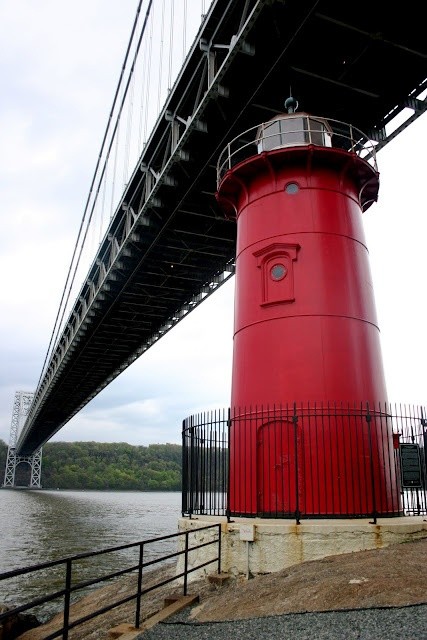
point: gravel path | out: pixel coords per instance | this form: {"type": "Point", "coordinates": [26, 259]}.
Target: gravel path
{"type": "Point", "coordinates": [403, 623]}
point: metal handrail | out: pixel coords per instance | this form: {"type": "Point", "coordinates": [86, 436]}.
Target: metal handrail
{"type": "Point", "coordinates": [70, 588]}
{"type": "Point", "coordinates": [344, 136]}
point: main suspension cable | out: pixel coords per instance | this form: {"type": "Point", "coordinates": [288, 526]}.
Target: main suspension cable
{"type": "Point", "coordinates": [58, 322]}
{"type": "Point", "coordinates": [112, 140]}
{"type": "Point", "coordinates": [93, 194]}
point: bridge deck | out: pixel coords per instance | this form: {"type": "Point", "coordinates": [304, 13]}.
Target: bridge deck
{"type": "Point", "coordinates": [168, 245]}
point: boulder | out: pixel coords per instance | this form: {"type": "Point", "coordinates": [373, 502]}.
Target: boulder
{"type": "Point", "coordinates": [17, 624]}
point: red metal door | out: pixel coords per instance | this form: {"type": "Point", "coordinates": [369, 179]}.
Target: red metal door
{"type": "Point", "coordinates": [279, 468]}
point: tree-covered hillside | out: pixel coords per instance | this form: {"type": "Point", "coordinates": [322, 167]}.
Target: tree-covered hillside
{"type": "Point", "coordinates": [95, 465]}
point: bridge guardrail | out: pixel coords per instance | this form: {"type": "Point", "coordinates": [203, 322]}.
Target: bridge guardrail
{"type": "Point", "coordinates": [70, 588]}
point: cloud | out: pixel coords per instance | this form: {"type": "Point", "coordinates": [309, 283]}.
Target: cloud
{"type": "Point", "coordinates": [396, 231]}
{"type": "Point", "coordinates": [59, 65]}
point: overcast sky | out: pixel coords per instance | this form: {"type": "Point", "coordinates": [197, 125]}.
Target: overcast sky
{"type": "Point", "coordinates": [59, 65]}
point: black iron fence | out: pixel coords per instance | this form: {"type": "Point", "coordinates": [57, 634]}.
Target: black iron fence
{"type": "Point", "coordinates": [306, 462]}
{"type": "Point", "coordinates": [71, 589]}
{"type": "Point", "coordinates": [205, 463]}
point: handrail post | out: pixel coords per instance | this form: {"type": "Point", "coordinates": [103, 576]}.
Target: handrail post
{"type": "Point", "coordinates": [138, 595]}
{"type": "Point", "coordinates": [186, 563]}
{"type": "Point", "coordinates": [67, 595]}
{"type": "Point", "coordinates": [219, 548]}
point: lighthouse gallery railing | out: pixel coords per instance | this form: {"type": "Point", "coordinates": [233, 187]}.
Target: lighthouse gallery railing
{"type": "Point", "coordinates": [299, 129]}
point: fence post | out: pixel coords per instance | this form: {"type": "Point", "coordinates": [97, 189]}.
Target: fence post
{"type": "Point", "coordinates": [295, 421]}
{"type": "Point", "coordinates": [192, 464]}
{"type": "Point", "coordinates": [67, 595]}
{"type": "Point", "coordinates": [201, 478]}
{"type": "Point", "coordinates": [227, 512]}
{"type": "Point", "coordinates": [138, 595]}
{"type": "Point", "coordinates": [184, 495]}
{"type": "Point", "coordinates": [186, 563]}
{"type": "Point", "coordinates": [219, 548]}
{"type": "Point", "coordinates": [368, 419]}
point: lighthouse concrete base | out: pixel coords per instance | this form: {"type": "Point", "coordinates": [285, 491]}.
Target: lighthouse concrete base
{"type": "Point", "coordinates": [252, 546]}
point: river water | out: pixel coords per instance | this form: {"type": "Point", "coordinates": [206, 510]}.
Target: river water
{"type": "Point", "coordinates": [39, 526]}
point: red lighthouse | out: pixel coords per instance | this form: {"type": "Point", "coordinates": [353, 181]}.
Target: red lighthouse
{"type": "Point", "coordinates": [306, 333]}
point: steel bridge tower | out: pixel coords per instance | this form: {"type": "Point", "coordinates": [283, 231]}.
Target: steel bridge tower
{"type": "Point", "coordinates": [21, 407]}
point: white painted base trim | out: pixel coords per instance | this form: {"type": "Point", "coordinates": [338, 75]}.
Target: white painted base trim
{"type": "Point", "coordinates": [278, 544]}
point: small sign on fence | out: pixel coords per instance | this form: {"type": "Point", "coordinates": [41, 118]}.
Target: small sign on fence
{"type": "Point", "coordinates": [410, 465]}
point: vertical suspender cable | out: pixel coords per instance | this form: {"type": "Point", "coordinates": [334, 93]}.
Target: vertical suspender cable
{"type": "Point", "coordinates": [171, 30]}
{"type": "Point", "coordinates": [147, 101]}
{"type": "Point", "coordinates": [116, 153]}
{"type": "Point", "coordinates": [162, 33]}
{"type": "Point", "coordinates": [128, 131]}
{"type": "Point", "coordinates": [104, 193]}
{"type": "Point", "coordinates": [184, 32]}
{"type": "Point", "coordinates": [144, 79]}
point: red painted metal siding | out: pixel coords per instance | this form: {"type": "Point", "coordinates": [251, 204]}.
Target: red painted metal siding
{"type": "Point", "coordinates": [305, 322]}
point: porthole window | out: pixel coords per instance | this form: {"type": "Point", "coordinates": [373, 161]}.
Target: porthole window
{"type": "Point", "coordinates": [292, 188]}
{"type": "Point", "coordinates": [278, 271]}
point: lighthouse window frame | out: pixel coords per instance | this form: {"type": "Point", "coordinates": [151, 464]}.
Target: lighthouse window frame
{"type": "Point", "coordinates": [291, 188]}
{"type": "Point", "coordinates": [319, 132]}
{"type": "Point", "coordinates": [278, 271]}
{"type": "Point", "coordinates": [283, 132]}
{"type": "Point", "coordinates": [296, 130]}
{"type": "Point", "coordinates": [277, 288]}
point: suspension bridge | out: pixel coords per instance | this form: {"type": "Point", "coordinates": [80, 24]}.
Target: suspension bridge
{"type": "Point", "coordinates": [182, 95]}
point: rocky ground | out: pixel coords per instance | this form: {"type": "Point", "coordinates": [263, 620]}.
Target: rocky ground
{"type": "Point", "coordinates": [394, 576]}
